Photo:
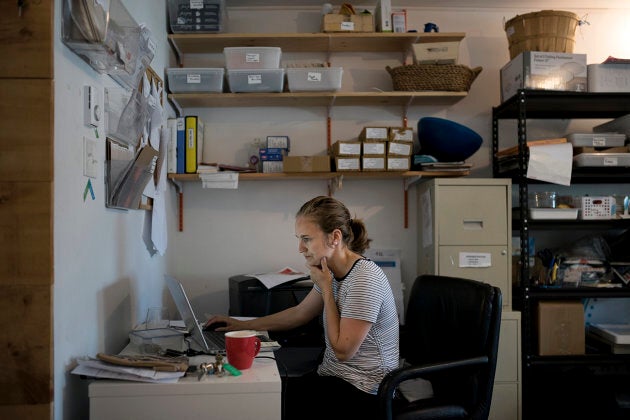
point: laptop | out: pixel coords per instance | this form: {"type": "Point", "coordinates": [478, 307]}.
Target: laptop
{"type": "Point", "coordinates": [211, 342]}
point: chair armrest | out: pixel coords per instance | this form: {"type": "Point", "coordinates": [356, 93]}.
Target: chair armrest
{"type": "Point", "coordinates": [390, 382]}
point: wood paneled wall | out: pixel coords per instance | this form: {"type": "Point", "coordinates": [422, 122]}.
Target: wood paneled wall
{"type": "Point", "coordinates": [26, 209]}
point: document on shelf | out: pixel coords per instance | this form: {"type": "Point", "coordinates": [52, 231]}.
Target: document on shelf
{"type": "Point", "coordinates": [286, 275]}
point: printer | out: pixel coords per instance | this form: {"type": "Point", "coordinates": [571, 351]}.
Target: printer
{"type": "Point", "coordinates": [249, 297]}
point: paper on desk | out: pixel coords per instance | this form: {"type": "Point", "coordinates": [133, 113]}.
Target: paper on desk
{"type": "Point", "coordinates": [552, 163]}
{"type": "Point", "coordinates": [100, 369]}
{"type": "Point", "coordinates": [285, 275]}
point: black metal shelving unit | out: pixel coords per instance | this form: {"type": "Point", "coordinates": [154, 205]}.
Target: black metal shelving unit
{"type": "Point", "coordinates": [541, 387]}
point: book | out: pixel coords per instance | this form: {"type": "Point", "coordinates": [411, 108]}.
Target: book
{"type": "Point", "coordinates": [180, 145]}
{"type": "Point", "coordinates": [171, 157]}
{"type": "Point", "coordinates": [191, 127]}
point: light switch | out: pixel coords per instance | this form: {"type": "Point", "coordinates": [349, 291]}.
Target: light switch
{"type": "Point", "coordinates": [89, 157]}
{"type": "Point", "coordinates": [92, 110]}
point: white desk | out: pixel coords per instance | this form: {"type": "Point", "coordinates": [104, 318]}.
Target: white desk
{"type": "Point", "coordinates": [256, 394]}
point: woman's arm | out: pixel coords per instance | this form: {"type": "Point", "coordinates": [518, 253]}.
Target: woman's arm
{"type": "Point", "coordinates": [293, 317]}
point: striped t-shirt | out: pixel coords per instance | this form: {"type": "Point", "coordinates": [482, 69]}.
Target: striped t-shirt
{"type": "Point", "coordinates": [365, 293]}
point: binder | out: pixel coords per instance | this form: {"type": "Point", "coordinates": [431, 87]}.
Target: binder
{"type": "Point", "coordinates": [171, 157]}
{"type": "Point", "coordinates": [180, 147]}
{"type": "Point", "coordinates": [191, 126]}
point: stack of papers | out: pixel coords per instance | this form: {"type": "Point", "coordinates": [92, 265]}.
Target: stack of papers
{"type": "Point", "coordinates": [99, 369]}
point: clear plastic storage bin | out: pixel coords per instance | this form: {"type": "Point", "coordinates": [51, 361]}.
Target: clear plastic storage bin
{"type": "Point", "coordinates": [237, 58]}
{"type": "Point", "coordinates": [314, 79]}
{"type": "Point", "coordinates": [261, 80]}
{"type": "Point", "coordinates": [199, 16]}
{"type": "Point", "coordinates": [203, 80]}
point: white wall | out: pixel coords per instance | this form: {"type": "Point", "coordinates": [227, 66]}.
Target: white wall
{"type": "Point", "coordinates": [105, 278]}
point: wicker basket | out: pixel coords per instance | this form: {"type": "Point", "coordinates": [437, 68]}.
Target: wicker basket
{"type": "Point", "coordinates": [547, 31]}
{"type": "Point", "coordinates": [438, 77]}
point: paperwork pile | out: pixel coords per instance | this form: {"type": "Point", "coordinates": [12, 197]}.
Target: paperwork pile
{"type": "Point", "coordinates": [157, 374]}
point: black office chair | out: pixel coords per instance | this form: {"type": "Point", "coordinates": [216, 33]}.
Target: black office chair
{"type": "Point", "coordinates": [451, 338]}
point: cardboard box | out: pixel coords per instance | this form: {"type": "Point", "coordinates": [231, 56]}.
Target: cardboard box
{"type": "Point", "coordinates": [401, 134]}
{"type": "Point", "coordinates": [398, 163]}
{"type": "Point", "coordinates": [307, 163]}
{"type": "Point", "coordinates": [609, 77]}
{"type": "Point", "coordinates": [545, 71]}
{"type": "Point", "coordinates": [399, 20]}
{"type": "Point", "coordinates": [399, 148]}
{"type": "Point", "coordinates": [373, 163]}
{"type": "Point", "coordinates": [334, 22]}
{"type": "Point", "coordinates": [374, 148]}
{"type": "Point", "coordinates": [374, 134]}
{"type": "Point", "coordinates": [561, 328]}
{"type": "Point", "coordinates": [347, 164]}
{"type": "Point", "coordinates": [346, 148]}
{"type": "Point", "coordinates": [436, 52]}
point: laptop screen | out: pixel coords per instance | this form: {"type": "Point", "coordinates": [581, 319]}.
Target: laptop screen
{"type": "Point", "coordinates": [186, 311]}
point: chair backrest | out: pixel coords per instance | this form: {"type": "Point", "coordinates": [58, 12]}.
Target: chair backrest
{"type": "Point", "coordinates": [452, 318]}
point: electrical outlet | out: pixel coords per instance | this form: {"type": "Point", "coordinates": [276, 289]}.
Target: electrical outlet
{"type": "Point", "coordinates": [89, 157]}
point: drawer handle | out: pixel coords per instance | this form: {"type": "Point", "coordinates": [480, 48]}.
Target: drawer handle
{"type": "Point", "coordinates": [473, 224]}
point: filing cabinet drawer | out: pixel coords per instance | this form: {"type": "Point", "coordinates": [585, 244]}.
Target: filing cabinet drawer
{"type": "Point", "coordinates": [488, 264]}
{"type": "Point", "coordinates": [509, 345]}
{"type": "Point", "coordinates": [505, 402]}
{"type": "Point", "coordinates": [472, 215]}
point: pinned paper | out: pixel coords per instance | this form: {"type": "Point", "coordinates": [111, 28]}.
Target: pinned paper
{"type": "Point", "coordinates": [552, 163]}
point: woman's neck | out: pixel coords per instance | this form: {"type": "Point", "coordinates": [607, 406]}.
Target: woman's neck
{"type": "Point", "coordinates": [342, 262]}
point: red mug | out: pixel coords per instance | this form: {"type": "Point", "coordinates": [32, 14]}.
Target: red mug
{"type": "Point", "coordinates": [241, 347]}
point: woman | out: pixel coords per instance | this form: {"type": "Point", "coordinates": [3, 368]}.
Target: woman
{"type": "Point", "coordinates": [359, 316]}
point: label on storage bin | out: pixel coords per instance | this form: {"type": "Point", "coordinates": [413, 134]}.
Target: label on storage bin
{"type": "Point", "coordinates": [252, 58]}
{"type": "Point", "coordinates": [254, 79]}
{"type": "Point", "coordinates": [196, 4]}
{"type": "Point", "coordinates": [314, 76]}
{"type": "Point", "coordinates": [193, 78]}
{"type": "Point", "coordinates": [347, 26]}
{"type": "Point", "coordinates": [611, 161]}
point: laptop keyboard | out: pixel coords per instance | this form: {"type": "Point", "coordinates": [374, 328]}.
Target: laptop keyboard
{"type": "Point", "coordinates": [215, 339]}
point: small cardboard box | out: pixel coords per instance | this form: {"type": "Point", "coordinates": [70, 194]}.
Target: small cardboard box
{"type": "Point", "coordinates": [374, 148]}
{"type": "Point", "coordinates": [307, 163]}
{"type": "Point", "coordinates": [398, 163]}
{"type": "Point", "coordinates": [436, 52]}
{"type": "Point", "coordinates": [561, 328]}
{"type": "Point", "coordinates": [334, 22]}
{"type": "Point", "coordinates": [401, 134]}
{"type": "Point", "coordinates": [352, 164]}
{"type": "Point", "coordinates": [399, 148]}
{"type": "Point", "coordinates": [373, 163]}
{"type": "Point", "coordinates": [374, 134]}
{"type": "Point", "coordinates": [346, 148]}
{"type": "Point", "coordinates": [545, 71]}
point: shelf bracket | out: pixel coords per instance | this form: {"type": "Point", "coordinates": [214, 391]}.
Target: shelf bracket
{"type": "Point", "coordinates": [335, 184]}
{"type": "Point", "coordinates": [179, 187]}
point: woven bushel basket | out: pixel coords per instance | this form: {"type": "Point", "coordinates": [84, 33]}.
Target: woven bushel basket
{"type": "Point", "coordinates": [547, 31]}
{"type": "Point", "coordinates": [438, 77]}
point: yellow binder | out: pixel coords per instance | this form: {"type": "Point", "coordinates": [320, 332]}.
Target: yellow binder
{"type": "Point", "coordinates": [191, 144]}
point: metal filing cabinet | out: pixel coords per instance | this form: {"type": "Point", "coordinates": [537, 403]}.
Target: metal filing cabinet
{"type": "Point", "coordinates": [465, 230]}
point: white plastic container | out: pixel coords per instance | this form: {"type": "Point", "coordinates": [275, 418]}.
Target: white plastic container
{"type": "Point", "coordinates": [202, 80]}
{"type": "Point", "coordinates": [602, 159]}
{"type": "Point", "coordinates": [326, 79]}
{"type": "Point", "coordinates": [596, 139]}
{"type": "Point", "coordinates": [261, 80]}
{"type": "Point", "coordinates": [238, 58]}
{"type": "Point", "coordinates": [609, 77]}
